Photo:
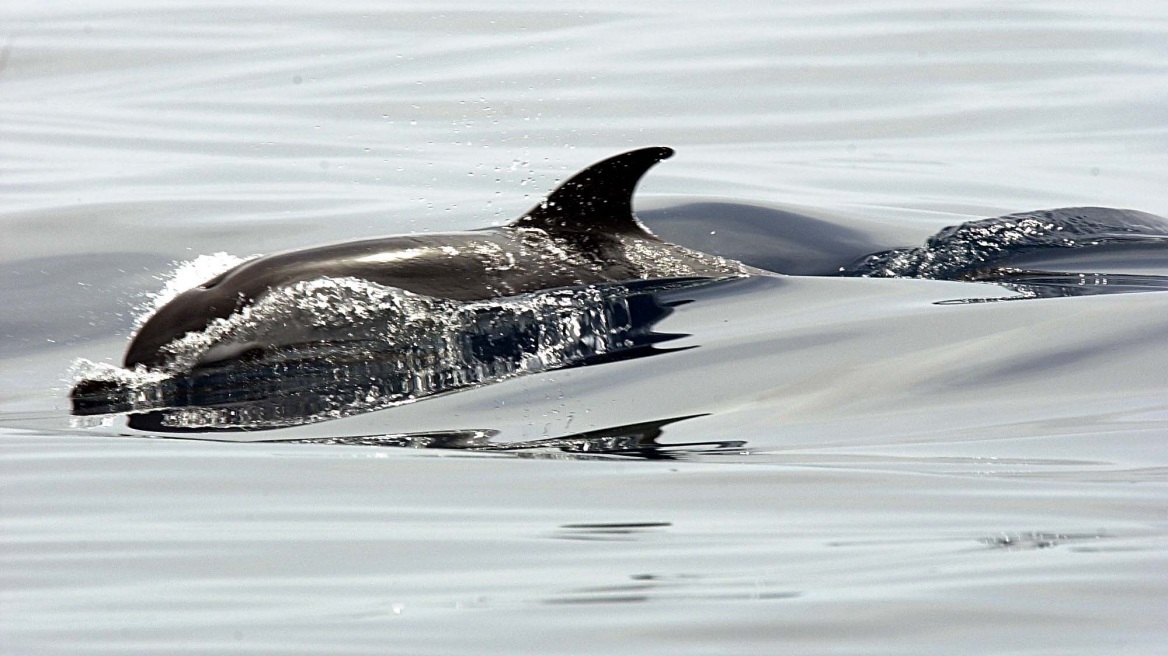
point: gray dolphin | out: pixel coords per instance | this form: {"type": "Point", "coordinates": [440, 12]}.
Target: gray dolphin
{"type": "Point", "coordinates": [583, 233]}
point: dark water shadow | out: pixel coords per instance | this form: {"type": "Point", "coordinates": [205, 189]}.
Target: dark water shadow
{"type": "Point", "coordinates": [639, 441]}
{"type": "Point", "coordinates": [647, 588]}
{"type": "Point", "coordinates": [1053, 284]}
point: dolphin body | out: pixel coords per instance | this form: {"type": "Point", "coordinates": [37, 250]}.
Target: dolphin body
{"type": "Point", "coordinates": [583, 233]}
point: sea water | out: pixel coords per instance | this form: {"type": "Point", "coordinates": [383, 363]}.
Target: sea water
{"type": "Point", "coordinates": [818, 466]}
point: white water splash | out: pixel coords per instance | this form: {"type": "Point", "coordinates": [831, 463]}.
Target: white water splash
{"type": "Point", "coordinates": [359, 346]}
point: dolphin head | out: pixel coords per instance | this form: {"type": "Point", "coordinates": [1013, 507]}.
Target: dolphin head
{"type": "Point", "coordinates": [190, 311]}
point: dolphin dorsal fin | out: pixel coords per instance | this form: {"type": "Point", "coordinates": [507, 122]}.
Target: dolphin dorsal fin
{"type": "Point", "coordinates": [597, 200]}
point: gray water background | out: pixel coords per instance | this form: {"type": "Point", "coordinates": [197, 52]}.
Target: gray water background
{"type": "Point", "coordinates": [915, 478]}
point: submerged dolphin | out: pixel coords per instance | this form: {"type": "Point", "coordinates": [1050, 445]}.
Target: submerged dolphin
{"type": "Point", "coordinates": [583, 233]}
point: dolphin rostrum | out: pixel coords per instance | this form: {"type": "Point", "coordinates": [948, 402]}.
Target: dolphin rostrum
{"type": "Point", "coordinates": [583, 233]}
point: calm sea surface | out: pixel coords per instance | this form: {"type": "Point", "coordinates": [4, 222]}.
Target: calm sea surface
{"type": "Point", "coordinates": [845, 466]}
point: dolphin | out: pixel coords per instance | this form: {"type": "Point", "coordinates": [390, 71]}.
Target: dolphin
{"type": "Point", "coordinates": [1068, 251]}
{"type": "Point", "coordinates": [583, 233]}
